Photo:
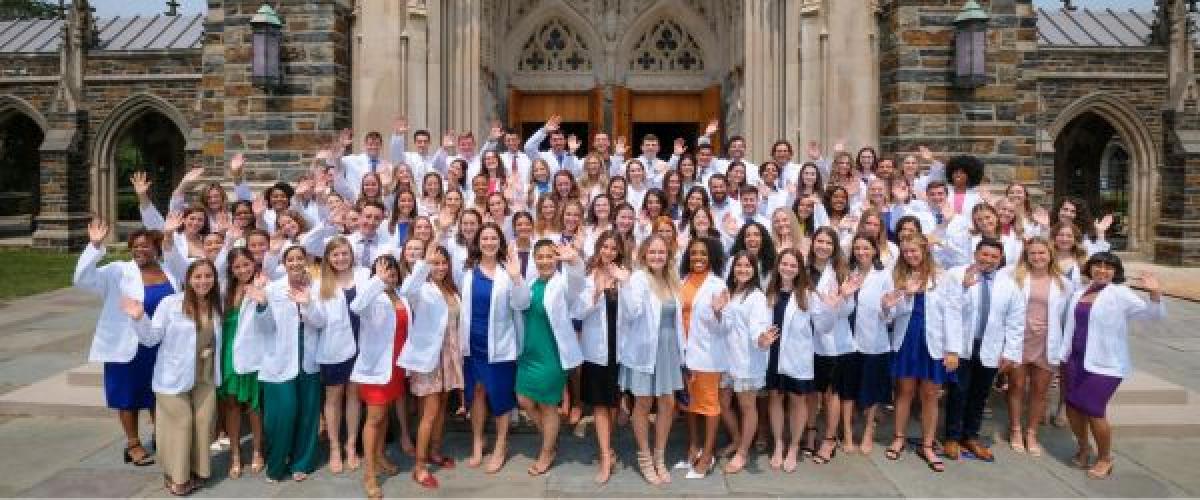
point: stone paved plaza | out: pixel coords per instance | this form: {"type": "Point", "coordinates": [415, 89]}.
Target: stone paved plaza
{"type": "Point", "coordinates": [65, 456]}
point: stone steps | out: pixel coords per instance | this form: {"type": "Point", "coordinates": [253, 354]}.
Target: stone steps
{"type": "Point", "coordinates": [55, 397]}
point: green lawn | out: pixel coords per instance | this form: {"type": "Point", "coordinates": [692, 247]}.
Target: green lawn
{"type": "Point", "coordinates": [25, 272]}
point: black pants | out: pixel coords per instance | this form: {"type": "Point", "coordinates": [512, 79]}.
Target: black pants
{"type": "Point", "coordinates": [966, 397]}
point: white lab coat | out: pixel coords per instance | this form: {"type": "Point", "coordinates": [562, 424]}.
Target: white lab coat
{"type": "Point", "coordinates": [175, 366]}
{"type": "Point", "coordinates": [637, 346]}
{"type": "Point", "coordinates": [1004, 333]}
{"type": "Point", "coordinates": [744, 319]}
{"type": "Point", "coordinates": [337, 337]}
{"type": "Point", "coordinates": [943, 318]}
{"type": "Point", "coordinates": [590, 309]}
{"type": "Point", "coordinates": [502, 316]}
{"type": "Point", "coordinates": [115, 340]}
{"type": "Point", "coordinates": [837, 339]}
{"type": "Point", "coordinates": [562, 290]}
{"type": "Point", "coordinates": [704, 349]}
{"type": "Point", "coordinates": [422, 352]}
{"type": "Point", "coordinates": [796, 335]}
{"type": "Point", "coordinates": [1056, 311]}
{"type": "Point", "coordinates": [870, 326]}
{"type": "Point", "coordinates": [1107, 350]}
{"type": "Point", "coordinates": [277, 327]}
{"type": "Point", "coordinates": [377, 332]}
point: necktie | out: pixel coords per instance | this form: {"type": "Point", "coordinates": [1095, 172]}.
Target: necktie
{"type": "Point", "coordinates": [938, 218]}
{"type": "Point", "coordinates": [985, 302]}
{"type": "Point", "coordinates": [374, 163]}
{"type": "Point", "coordinates": [366, 252]}
{"type": "Point", "coordinates": [560, 160]}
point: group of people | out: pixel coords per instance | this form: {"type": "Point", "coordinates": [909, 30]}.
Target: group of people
{"type": "Point", "coordinates": [805, 295]}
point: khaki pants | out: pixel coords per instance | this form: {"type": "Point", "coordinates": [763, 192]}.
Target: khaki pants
{"type": "Point", "coordinates": [184, 430]}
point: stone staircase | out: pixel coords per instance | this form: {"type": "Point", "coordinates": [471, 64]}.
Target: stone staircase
{"type": "Point", "coordinates": [1144, 405]}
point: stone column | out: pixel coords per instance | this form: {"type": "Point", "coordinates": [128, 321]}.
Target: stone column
{"type": "Point", "coordinates": [763, 88]}
{"type": "Point", "coordinates": [64, 215]}
{"type": "Point", "coordinates": [851, 74]}
{"type": "Point", "coordinates": [462, 103]}
{"type": "Point", "coordinates": [380, 75]}
{"type": "Point", "coordinates": [1177, 234]}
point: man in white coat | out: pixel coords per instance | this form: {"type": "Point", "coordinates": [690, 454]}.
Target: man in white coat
{"type": "Point", "coordinates": [419, 161]}
{"type": "Point", "coordinates": [352, 167]}
{"type": "Point", "coordinates": [557, 157]}
{"type": "Point", "coordinates": [994, 335]}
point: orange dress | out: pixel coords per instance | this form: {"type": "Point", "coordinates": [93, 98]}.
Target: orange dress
{"type": "Point", "coordinates": [703, 387]}
{"type": "Point", "coordinates": [382, 394]}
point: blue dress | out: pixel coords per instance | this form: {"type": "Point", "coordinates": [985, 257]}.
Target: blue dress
{"type": "Point", "coordinates": [127, 385]}
{"type": "Point", "coordinates": [913, 360]}
{"type": "Point", "coordinates": [339, 374]}
{"type": "Point", "coordinates": [498, 379]}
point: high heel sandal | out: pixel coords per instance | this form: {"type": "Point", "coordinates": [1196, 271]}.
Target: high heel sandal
{"type": "Point", "coordinates": [660, 466]}
{"type": "Point", "coordinates": [371, 485]}
{"type": "Point", "coordinates": [257, 464]}
{"type": "Point", "coordinates": [429, 483]}
{"type": "Point", "coordinates": [1016, 440]}
{"type": "Point", "coordinates": [646, 466]}
{"type": "Point", "coordinates": [892, 452]}
{"type": "Point", "coordinates": [695, 474]}
{"type": "Point", "coordinates": [1092, 474]}
{"type": "Point", "coordinates": [142, 460]}
{"type": "Point", "coordinates": [235, 470]}
{"type": "Point", "coordinates": [822, 460]}
{"type": "Point", "coordinates": [178, 490]}
{"type": "Point", "coordinates": [805, 449]}
{"type": "Point", "coordinates": [1031, 443]}
{"type": "Point", "coordinates": [935, 464]}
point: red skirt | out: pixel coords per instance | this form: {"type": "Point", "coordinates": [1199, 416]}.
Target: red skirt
{"type": "Point", "coordinates": [382, 394]}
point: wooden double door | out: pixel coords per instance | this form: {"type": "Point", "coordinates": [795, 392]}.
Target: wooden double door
{"type": "Point", "coordinates": [631, 114]}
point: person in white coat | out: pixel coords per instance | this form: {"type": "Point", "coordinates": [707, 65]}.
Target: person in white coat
{"type": "Point", "coordinates": [431, 355]}
{"type": "Point", "coordinates": [748, 338]}
{"type": "Point", "coordinates": [836, 364]}
{"type": "Point", "coordinates": [549, 346]}
{"type": "Point", "coordinates": [702, 298]}
{"type": "Point", "coordinates": [1095, 352]}
{"type": "Point", "coordinates": [128, 364]}
{"type": "Point", "coordinates": [488, 337]}
{"type": "Point", "coordinates": [186, 374]}
{"type": "Point", "coordinates": [1046, 293]}
{"type": "Point", "coordinates": [287, 326]}
{"type": "Point", "coordinates": [796, 311]}
{"type": "Point", "coordinates": [926, 313]}
{"type": "Point", "coordinates": [240, 393]}
{"type": "Point", "coordinates": [384, 325]}
{"type": "Point", "coordinates": [603, 308]}
{"type": "Point", "coordinates": [650, 352]}
{"type": "Point", "coordinates": [337, 285]}
{"type": "Point", "coordinates": [871, 340]}
{"type": "Point", "coordinates": [993, 328]}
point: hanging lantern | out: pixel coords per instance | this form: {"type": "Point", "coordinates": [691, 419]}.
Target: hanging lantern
{"type": "Point", "coordinates": [970, 46]}
{"type": "Point", "coordinates": [266, 68]}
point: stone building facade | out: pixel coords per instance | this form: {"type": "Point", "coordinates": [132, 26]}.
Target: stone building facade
{"type": "Point", "coordinates": [1099, 104]}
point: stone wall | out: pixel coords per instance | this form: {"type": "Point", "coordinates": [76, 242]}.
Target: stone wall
{"type": "Point", "coordinates": [280, 130]}
{"type": "Point", "coordinates": [996, 122]}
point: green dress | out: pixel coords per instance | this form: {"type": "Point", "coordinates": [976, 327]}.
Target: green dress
{"type": "Point", "coordinates": [242, 387]}
{"type": "Point", "coordinates": [540, 376]}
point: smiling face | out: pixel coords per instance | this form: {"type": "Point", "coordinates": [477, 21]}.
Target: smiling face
{"type": "Point", "coordinates": [743, 270]}
{"type": "Point", "coordinates": [144, 251]}
{"type": "Point", "coordinates": [864, 252]}
{"type": "Point", "coordinates": [1067, 213]}
{"type": "Point", "coordinates": [753, 239]}
{"type": "Point", "coordinates": [243, 216]}
{"type": "Point", "coordinates": [523, 227]}
{"type": "Point", "coordinates": [193, 223]}
{"type": "Point", "coordinates": [439, 267]}
{"type": "Point", "coordinates": [369, 219]}
{"type": "Point", "coordinates": [543, 259]}
{"type": "Point", "coordinates": [625, 220]}
{"type": "Point", "coordinates": [1102, 273]}
{"type": "Point", "coordinates": [341, 258]}
{"type": "Point", "coordinates": [1038, 255]}
{"type": "Point", "coordinates": [212, 244]}
{"type": "Point", "coordinates": [414, 250]}
{"type": "Point", "coordinates": [214, 198]}
{"type": "Point", "coordinates": [822, 246]}
{"type": "Point", "coordinates": [698, 261]}
{"type": "Point", "coordinates": [295, 262]}
{"type": "Point", "coordinates": [278, 199]}
{"type": "Point", "coordinates": [789, 267]}
{"type": "Point", "coordinates": [988, 257]}
{"type": "Point", "coordinates": [913, 253]}
{"type": "Point", "coordinates": [202, 279]}
{"type": "Point", "coordinates": [489, 242]}
{"type": "Point", "coordinates": [656, 255]}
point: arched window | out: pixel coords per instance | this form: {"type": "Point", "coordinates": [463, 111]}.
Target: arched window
{"type": "Point", "coordinates": [555, 47]}
{"type": "Point", "coordinates": [666, 47]}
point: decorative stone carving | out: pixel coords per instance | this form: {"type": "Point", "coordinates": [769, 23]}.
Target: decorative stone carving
{"type": "Point", "coordinates": [666, 47]}
{"type": "Point", "coordinates": [555, 47]}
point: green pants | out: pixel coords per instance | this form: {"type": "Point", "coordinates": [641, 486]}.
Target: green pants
{"type": "Point", "coordinates": [291, 420]}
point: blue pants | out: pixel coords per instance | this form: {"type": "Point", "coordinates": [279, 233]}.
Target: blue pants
{"type": "Point", "coordinates": [966, 397]}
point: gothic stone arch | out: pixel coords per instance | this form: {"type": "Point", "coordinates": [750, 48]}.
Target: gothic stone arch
{"type": "Point", "coordinates": [689, 31]}
{"type": "Point", "coordinates": [1144, 157]}
{"type": "Point", "coordinates": [578, 65]}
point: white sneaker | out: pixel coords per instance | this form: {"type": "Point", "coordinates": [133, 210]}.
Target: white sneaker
{"type": "Point", "coordinates": [221, 444]}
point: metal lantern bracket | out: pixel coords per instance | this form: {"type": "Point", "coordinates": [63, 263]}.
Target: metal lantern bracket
{"type": "Point", "coordinates": [970, 46]}
{"type": "Point", "coordinates": [266, 68]}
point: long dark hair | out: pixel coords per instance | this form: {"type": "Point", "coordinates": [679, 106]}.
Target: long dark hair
{"type": "Point", "coordinates": [765, 260]}
{"type": "Point", "coordinates": [233, 286]}
{"type": "Point", "coordinates": [191, 301]}
{"type": "Point", "coordinates": [800, 285]}
{"type": "Point", "coordinates": [474, 254]}
{"type": "Point", "coordinates": [716, 256]}
{"type": "Point", "coordinates": [731, 282]}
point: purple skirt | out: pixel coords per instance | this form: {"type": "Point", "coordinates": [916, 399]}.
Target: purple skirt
{"type": "Point", "coordinates": [1087, 392]}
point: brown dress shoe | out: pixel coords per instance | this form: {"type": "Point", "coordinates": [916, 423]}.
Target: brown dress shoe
{"type": "Point", "coordinates": [978, 449]}
{"type": "Point", "coordinates": [951, 449]}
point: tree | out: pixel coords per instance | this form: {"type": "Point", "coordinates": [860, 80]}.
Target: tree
{"type": "Point", "coordinates": [28, 9]}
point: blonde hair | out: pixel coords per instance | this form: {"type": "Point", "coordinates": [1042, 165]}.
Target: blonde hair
{"type": "Point", "coordinates": [926, 271]}
{"type": "Point", "coordinates": [662, 282]}
{"type": "Point", "coordinates": [587, 182]}
{"type": "Point", "coordinates": [1024, 266]}
{"type": "Point", "coordinates": [328, 275]}
{"type": "Point", "coordinates": [792, 223]}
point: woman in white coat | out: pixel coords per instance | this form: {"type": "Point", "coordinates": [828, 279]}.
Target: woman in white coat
{"type": "Point", "coordinates": [748, 337]}
{"type": "Point", "coordinates": [128, 364]}
{"type": "Point", "coordinates": [702, 298]}
{"type": "Point", "coordinates": [384, 322]}
{"type": "Point", "coordinates": [836, 364]}
{"type": "Point", "coordinates": [282, 348]}
{"type": "Point", "coordinates": [796, 311]}
{"type": "Point", "coordinates": [650, 352]}
{"type": "Point", "coordinates": [240, 393]}
{"type": "Point", "coordinates": [1095, 352]}
{"type": "Point", "coordinates": [186, 374]}
{"type": "Point", "coordinates": [603, 308]}
{"type": "Point", "coordinates": [1046, 294]}
{"type": "Point", "coordinates": [488, 336]}
{"type": "Point", "coordinates": [871, 338]}
{"type": "Point", "coordinates": [431, 355]}
{"type": "Point", "coordinates": [549, 345]}
{"type": "Point", "coordinates": [926, 311]}
{"type": "Point", "coordinates": [338, 284]}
